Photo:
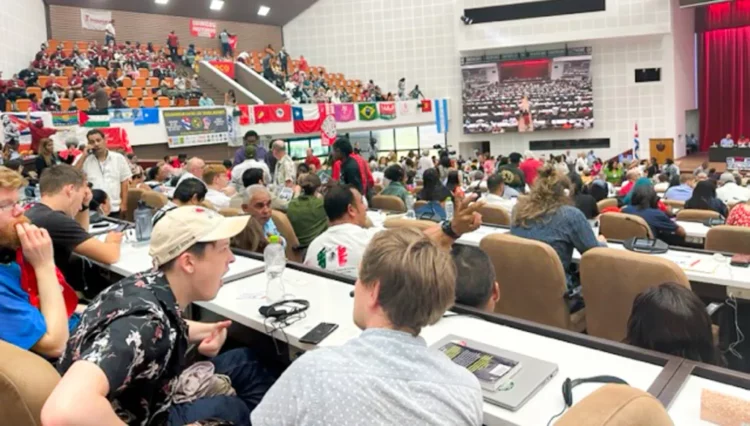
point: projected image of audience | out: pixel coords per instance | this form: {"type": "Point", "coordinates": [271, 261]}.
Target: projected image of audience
{"type": "Point", "coordinates": [528, 95]}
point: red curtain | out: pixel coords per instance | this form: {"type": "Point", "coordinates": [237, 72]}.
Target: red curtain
{"type": "Point", "coordinates": [724, 84]}
{"type": "Point", "coordinates": [722, 16]}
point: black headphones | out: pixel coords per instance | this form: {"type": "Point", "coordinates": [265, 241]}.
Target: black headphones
{"type": "Point", "coordinates": [568, 385]}
{"type": "Point", "coordinates": [284, 309]}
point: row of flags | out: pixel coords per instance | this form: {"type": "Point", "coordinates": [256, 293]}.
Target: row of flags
{"type": "Point", "coordinates": [137, 116]}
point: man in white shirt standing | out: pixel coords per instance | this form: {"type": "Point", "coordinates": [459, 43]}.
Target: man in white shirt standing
{"type": "Point", "coordinates": [109, 32]}
{"type": "Point", "coordinates": [497, 196]}
{"type": "Point", "coordinates": [106, 170]}
{"type": "Point", "coordinates": [249, 163]}
{"type": "Point", "coordinates": [425, 162]}
{"type": "Point", "coordinates": [285, 173]}
{"type": "Point", "coordinates": [730, 192]}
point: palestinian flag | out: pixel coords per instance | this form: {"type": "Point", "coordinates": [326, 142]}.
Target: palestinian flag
{"type": "Point", "coordinates": [93, 120]}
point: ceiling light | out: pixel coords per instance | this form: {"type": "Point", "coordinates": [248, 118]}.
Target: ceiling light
{"type": "Point", "coordinates": [217, 4]}
{"type": "Point", "coordinates": [263, 10]}
{"type": "Point", "coordinates": [162, 1]}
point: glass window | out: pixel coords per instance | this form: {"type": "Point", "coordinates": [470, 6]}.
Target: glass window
{"type": "Point", "coordinates": [298, 148]}
{"type": "Point", "coordinates": [318, 149]}
{"type": "Point", "coordinates": [407, 138]}
{"type": "Point", "coordinates": [385, 139]}
{"type": "Point", "coordinates": [361, 141]}
{"type": "Point", "coordinates": [429, 137]}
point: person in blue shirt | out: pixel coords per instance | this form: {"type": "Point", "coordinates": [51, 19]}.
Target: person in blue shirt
{"type": "Point", "coordinates": [548, 215]}
{"type": "Point", "coordinates": [44, 329]}
{"type": "Point", "coordinates": [727, 142]}
{"type": "Point", "coordinates": [683, 191]}
{"type": "Point", "coordinates": [644, 203]}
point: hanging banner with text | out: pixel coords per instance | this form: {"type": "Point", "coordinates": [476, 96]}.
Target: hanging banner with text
{"type": "Point", "coordinates": [227, 67]}
{"type": "Point", "coordinates": [191, 127]}
{"type": "Point", "coordinates": [200, 28]}
{"type": "Point", "coordinates": [94, 19]}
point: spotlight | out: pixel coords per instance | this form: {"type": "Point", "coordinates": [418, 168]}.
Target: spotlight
{"type": "Point", "coordinates": [466, 21]}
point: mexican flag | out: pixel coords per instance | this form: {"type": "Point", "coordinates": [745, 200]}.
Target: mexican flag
{"type": "Point", "coordinates": [93, 120]}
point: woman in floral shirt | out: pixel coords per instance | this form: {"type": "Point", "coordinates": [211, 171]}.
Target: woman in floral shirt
{"type": "Point", "coordinates": [740, 215]}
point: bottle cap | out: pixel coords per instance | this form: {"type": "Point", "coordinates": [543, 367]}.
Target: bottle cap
{"type": "Point", "coordinates": [273, 239]}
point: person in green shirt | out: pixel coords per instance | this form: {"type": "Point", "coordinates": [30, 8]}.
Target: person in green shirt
{"type": "Point", "coordinates": [397, 176]}
{"type": "Point", "coordinates": [613, 172]}
{"type": "Point", "coordinates": [306, 212]}
{"type": "Point", "coordinates": [512, 175]}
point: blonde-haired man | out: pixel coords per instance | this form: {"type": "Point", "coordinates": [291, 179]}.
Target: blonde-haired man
{"type": "Point", "coordinates": [43, 328]}
{"type": "Point", "coordinates": [389, 361]}
{"type": "Point", "coordinates": [216, 179]}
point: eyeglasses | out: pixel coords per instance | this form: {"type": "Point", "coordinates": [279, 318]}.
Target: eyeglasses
{"type": "Point", "coordinates": [10, 206]}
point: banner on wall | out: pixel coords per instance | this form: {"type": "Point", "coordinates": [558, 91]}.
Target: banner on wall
{"type": "Point", "coordinates": [272, 113]}
{"type": "Point", "coordinates": [368, 111]}
{"type": "Point", "coordinates": [387, 110]}
{"type": "Point", "coordinates": [227, 67]}
{"type": "Point", "coordinates": [233, 42]}
{"type": "Point", "coordinates": [95, 19]}
{"type": "Point", "coordinates": [64, 119]}
{"type": "Point", "coordinates": [191, 127]}
{"type": "Point", "coordinates": [201, 28]}
{"type": "Point", "coordinates": [344, 112]}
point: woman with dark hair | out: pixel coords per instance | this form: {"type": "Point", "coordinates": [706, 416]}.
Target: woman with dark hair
{"type": "Point", "coordinates": [190, 192]}
{"type": "Point", "coordinates": [671, 319]}
{"type": "Point", "coordinates": [704, 198]}
{"type": "Point", "coordinates": [584, 201]}
{"type": "Point", "coordinates": [397, 177]}
{"type": "Point", "coordinates": [644, 203]}
{"type": "Point", "coordinates": [100, 206]}
{"type": "Point", "coordinates": [434, 193]}
{"type": "Point", "coordinates": [653, 168]}
{"type": "Point", "coordinates": [546, 214]}
{"type": "Point", "coordinates": [454, 184]}
{"type": "Point", "coordinates": [627, 200]}
{"type": "Point", "coordinates": [613, 172]}
{"type": "Point", "coordinates": [443, 167]}
{"type": "Point", "coordinates": [599, 190]}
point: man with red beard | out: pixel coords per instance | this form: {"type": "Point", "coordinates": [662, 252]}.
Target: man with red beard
{"type": "Point", "coordinates": [32, 319]}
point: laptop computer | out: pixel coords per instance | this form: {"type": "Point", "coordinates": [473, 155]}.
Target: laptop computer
{"type": "Point", "coordinates": [532, 373]}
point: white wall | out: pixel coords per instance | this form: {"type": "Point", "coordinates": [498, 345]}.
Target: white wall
{"type": "Point", "coordinates": [23, 28]}
{"type": "Point", "coordinates": [423, 41]}
{"type": "Point", "coordinates": [683, 40]}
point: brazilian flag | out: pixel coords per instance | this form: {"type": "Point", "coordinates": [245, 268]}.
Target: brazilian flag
{"type": "Point", "coordinates": [368, 111]}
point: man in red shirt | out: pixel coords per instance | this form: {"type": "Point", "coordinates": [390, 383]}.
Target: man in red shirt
{"type": "Point", "coordinates": [312, 161]}
{"type": "Point", "coordinates": [364, 170]}
{"type": "Point", "coordinates": [76, 86]}
{"type": "Point", "coordinates": [173, 43]}
{"type": "Point", "coordinates": [530, 167]}
{"type": "Point", "coordinates": [302, 65]}
{"type": "Point", "coordinates": [38, 132]}
{"type": "Point", "coordinates": [631, 177]}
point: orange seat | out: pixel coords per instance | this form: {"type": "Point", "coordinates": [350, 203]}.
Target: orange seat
{"type": "Point", "coordinates": [67, 44]}
{"type": "Point", "coordinates": [108, 90]}
{"type": "Point", "coordinates": [169, 81]}
{"type": "Point", "coordinates": [123, 92]}
{"type": "Point", "coordinates": [180, 102]}
{"type": "Point", "coordinates": [148, 102]}
{"type": "Point", "coordinates": [65, 104]}
{"type": "Point", "coordinates": [127, 83]}
{"type": "Point", "coordinates": [153, 82]}
{"type": "Point", "coordinates": [68, 52]}
{"type": "Point", "coordinates": [157, 48]}
{"type": "Point", "coordinates": [180, 51]}
{"type": "Point", "coordinates": [42, 80]}
{"type": "Point", "coordinates": [23, 105]}
{"type": "Point", "coordinates": [143, 72]}
{"type": "Point", "coordinates": [68, 71]}
{"type": "Point", "coordinates": [8, 106]}
{"type": "Point", "coordinates": [133, 102]}
{"type": "Point", "coordinates": [140, 82]}
{"type": "Point", "coordinates": [163, 102]}
{"type": "Point", "coordinates": [137, 92]}
{"type": "Point", "coordinates": [82, 46]}
{"type": "Point", "coordinates": [62, 81]}
{"type": "Point", "coordinates": [82, 104]}
{"type": "Point", "coordinates": [101, 71]}
{"type": "Point", "coordinates": [35, 91]}
{"type": "Point", "coordinates": [53, 44]}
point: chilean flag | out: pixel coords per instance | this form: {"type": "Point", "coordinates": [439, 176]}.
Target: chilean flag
{"type": "Point", "coordinates": [309, 118]}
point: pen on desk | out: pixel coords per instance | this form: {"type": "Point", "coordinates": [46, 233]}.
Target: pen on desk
{"type": "Point", "coordinates": [695, 262]}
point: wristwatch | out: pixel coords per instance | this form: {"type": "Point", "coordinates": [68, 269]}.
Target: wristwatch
{"type": "Point", "coordinates": [448, 230]}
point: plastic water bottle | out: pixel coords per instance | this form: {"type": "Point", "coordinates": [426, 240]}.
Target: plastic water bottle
{"type": "Point", "coordinates": [410, 207]}
{"type": "Point", "coordinates": [275, 260]}
{"type": "Point", "coordinates": [142, 216]}
{"type": "Point", "coordinates": [448, 209]}
{"type": "Point", "coordinates": [37, 193]}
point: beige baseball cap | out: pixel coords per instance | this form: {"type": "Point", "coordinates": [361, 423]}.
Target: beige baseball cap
{"type": "Point", "coordinates": [182, 227]}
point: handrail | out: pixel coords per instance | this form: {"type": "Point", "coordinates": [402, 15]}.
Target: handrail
{"type": "Point", "coordinates": [236, 86]}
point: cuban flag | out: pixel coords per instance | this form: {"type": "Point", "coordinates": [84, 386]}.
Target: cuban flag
{"type": "Point", "coordinates": [186, 123]}
{"type": "Point", "coordinates": [441, 115]}
{"type": "Point", "coordinates": [636, 144]}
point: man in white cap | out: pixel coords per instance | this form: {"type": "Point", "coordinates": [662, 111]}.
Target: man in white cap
{"type": "Point", "coordinates": [128, 353]}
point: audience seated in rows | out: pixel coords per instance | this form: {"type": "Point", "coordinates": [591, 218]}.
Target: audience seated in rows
{"type": "Point", "coordinates": [64, 213]}
{"type": "Point", "coordinates": [35, 314]}
{"type": "Point", "coordinates": [672, 319]}
{"type": "Point", "coordinates": [130, 348]}
{"type": "Point", "coordinates": [644, 203]}
{"type": "Point", "coordinates": [683, 191]}
{"type": "Point", "coordinates": [396, 176]}
{"type": "Point", "coordinates": [704, 198]}
{"type": "Point", "coordinates": [306, 212]}
{"type": "Point", "coordinates": [546, 214]}
{"type": "Point", "coordinates": [190, 192]}
{"type": "Point", "coordinates": [388, 357]}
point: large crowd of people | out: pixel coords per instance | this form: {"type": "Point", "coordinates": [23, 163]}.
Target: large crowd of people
{"type": "Point", "coordinates": [123, 347]}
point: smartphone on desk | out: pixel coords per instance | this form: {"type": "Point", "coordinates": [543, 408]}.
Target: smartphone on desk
{"type": "Point", "coordinates": [320, 332]}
